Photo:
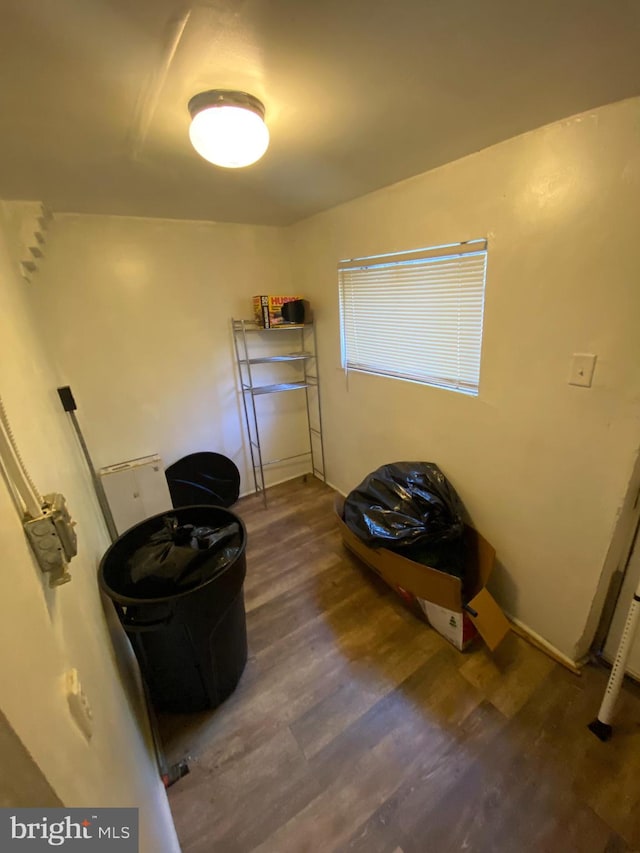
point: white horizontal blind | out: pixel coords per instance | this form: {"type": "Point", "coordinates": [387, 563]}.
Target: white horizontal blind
{"type": "Point", "coordinates": [416, 315]}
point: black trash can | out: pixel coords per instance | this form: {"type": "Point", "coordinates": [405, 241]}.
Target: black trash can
{"type": "Point", "coordinates": [191, 645]}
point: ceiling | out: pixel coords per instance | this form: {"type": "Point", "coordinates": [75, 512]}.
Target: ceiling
{"type": "Point", "coordinates": [358, 94]}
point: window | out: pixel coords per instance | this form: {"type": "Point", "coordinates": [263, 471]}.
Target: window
{"type": "Point", "coordinates": [416, 315]}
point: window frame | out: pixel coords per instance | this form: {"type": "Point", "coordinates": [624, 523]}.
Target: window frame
{"type": "Point", "coordinates": [451, 268]}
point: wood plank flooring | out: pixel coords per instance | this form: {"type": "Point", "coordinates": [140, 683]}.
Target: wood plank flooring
{"type": "Point", "coordinates": [356, 727]}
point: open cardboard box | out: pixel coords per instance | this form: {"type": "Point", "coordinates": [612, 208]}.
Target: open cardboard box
{"type": "Point", "coordinates": [438, 594]}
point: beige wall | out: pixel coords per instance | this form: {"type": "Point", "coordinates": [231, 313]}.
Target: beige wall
{"type": "Point", "coordinates": [140, 315]}
{"type": "Point", "coordinates": [541, 466]}
{"type": "Point", "coordinates": [45, 632]}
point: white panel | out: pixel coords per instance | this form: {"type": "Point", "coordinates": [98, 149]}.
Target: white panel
{"type": "Point", "coordinates": [123, 498]}
{"type": "Point", "coordinates": [152, 488]}
{"type": "Point", "coordinates": [135, 490]}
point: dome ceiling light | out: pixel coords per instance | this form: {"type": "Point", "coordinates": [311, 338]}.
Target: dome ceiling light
{"type": "Point", "coordinates": [227, 128]}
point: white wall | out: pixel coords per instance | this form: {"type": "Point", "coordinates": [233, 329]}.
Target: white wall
{"type": "Point", "coordinates": [541, 466]}
{"type": "Point", "coordinates": [45, 632]}
{"type": "Point", "coordinates": [139, 313]}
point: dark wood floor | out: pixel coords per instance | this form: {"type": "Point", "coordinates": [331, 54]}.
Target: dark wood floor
{"type": "Point", "coordinates": [355, 727]}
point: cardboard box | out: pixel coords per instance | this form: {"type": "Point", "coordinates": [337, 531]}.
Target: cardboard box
{"type": "Point", "coordinates": [438, 594]}
{"type": "Point", "coordinates": [268, 309]}
{"type": "Point", "coordinates": [455, 627]}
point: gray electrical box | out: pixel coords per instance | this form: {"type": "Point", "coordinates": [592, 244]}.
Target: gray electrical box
{"type": "Point", "coordinates": [53, 538]}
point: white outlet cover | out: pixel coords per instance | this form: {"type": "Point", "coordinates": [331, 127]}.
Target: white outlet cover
{"type": "Point", "coordinates": [78, 703]}
{"type": "Point", "coordinates": [582, 366]}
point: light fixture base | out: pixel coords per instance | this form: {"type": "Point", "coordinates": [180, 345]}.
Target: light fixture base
{"type": "Point", "coordinates": [225, 98]}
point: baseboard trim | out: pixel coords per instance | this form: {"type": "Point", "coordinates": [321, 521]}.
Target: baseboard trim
{"type": "Point", "coordinates": [539, 642]}
{"type": "Point", "coordinates": [278, 483]}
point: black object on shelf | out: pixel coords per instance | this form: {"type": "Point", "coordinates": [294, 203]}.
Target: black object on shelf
{"type": "Point", "coordinates": [190, 641]}
{"type": "Point", "coordinates": [203, 478]}
{"type": "Point", "coordinates": [294, 311]}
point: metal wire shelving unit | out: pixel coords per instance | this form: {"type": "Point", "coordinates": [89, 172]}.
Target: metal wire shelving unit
{"type": "Point", "coordinates": [300, 340]}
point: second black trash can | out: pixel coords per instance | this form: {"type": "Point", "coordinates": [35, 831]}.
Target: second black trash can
{"type": "Point", "coordinates": [191, 645]}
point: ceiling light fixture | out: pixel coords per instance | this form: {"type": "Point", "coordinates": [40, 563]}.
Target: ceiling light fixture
{"type": "Point", "coordinates": [227, 128]}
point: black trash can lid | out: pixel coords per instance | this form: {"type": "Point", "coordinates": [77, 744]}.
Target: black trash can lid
{"type": "Point", "coordinates": [203, 478]}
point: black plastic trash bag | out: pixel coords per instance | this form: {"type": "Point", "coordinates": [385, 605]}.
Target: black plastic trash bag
{"type": "Point", "coordinates": [180, 557]}
{"type": "Point", "coordinates": [405, 504]}
{"type": "Point", "coordinates": [450, 556]}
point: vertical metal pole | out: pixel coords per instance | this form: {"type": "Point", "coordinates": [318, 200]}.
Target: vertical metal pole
{"type": "Point", "coordinates": [601, 726]}
{"type": "Point", "coordinates": [315, 352]}
{"type": "Point", "coordinates": [97, 483]}
{"type": "Point", "coordinates": [306, 395]}
{"type": "Point", "coordinates": [249, 390]}
{"type": "Point", "coordinates": [255, 416]}
{"type": "Point", "coordinates": [69, 405]}
{"type": "Point", "coordinates": [242, 390]}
